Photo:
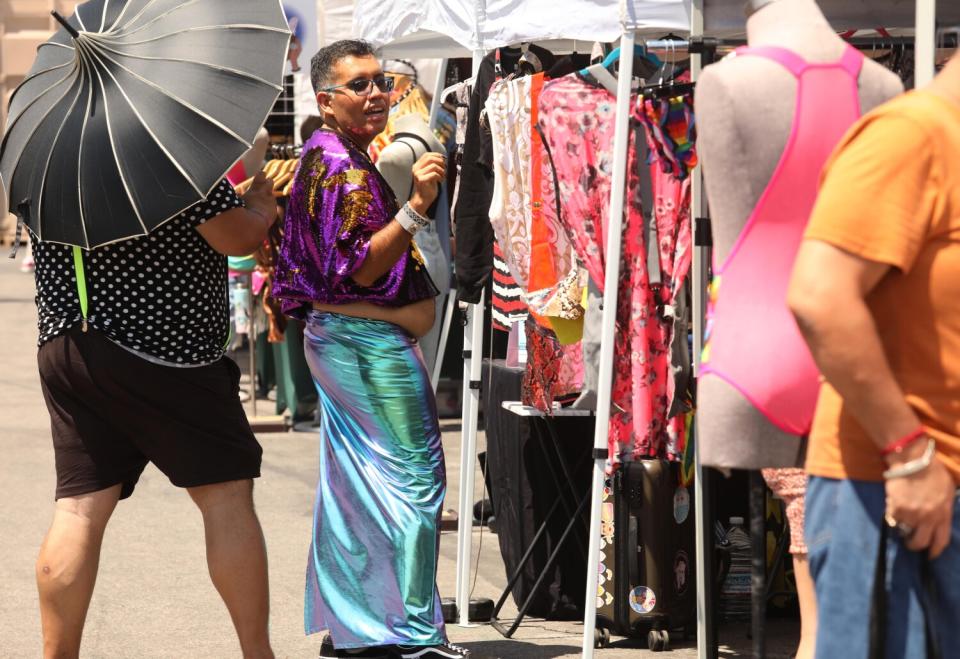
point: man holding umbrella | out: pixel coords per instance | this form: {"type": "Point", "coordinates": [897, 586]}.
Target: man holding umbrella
{"type": "Point", "coordinates": [113, 156]}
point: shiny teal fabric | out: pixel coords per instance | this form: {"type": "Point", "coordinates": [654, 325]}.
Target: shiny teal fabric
{"type": "Point", "coordinates": [371, 576]}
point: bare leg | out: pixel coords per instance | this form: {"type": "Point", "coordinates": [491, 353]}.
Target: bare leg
{"type": "Point", "coordinates": [67, 568]}
{"type": "Point", "coordinates": [237, 560]}
{"type": "Point", "coordinates": [808, 607]}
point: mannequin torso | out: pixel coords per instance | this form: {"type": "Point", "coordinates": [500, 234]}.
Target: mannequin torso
{"type": "Point", "coordinates": [745, 108]}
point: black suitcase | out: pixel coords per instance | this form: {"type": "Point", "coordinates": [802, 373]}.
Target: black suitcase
{"type": "Point", "coordinates": [647, 583]}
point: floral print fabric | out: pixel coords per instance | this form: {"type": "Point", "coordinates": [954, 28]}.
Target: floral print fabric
{"type": "Point", "coordinates": [577, 119]}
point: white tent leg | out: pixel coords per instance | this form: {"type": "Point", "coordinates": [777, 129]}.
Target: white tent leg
{"type": "Point", "coordinates": [699, 286]}
{"type": "Point", "coordinates": [473, 345]}
{"type": "Point", "coordinates": [448, 307]}
{"type": "Point", "coordinates": [925, 47]}
{"type": "Point", "coordinates": [473, 349]}
{"type": "Point", "coordinates": [611, 277]}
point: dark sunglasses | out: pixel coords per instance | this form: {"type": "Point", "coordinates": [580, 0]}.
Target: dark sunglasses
{"type": "Point", "coordinates": [364, 86]}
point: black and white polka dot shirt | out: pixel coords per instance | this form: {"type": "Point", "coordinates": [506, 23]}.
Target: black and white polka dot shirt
{"type": "Point", "coordinates": [163, 296]}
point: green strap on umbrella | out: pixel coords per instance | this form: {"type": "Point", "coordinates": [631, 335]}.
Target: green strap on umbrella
{"type": "Point", "coordinates": [81, 284]}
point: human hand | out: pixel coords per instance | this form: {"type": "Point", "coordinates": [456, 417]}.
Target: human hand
{"type": "Point", "coordinates": [259, 198]}
{"type": "Point", "coordinates": [428, 173]}
{"type": "Point", "coordinates": [922, 505]}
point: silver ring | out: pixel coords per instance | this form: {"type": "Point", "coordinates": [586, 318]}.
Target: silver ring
{"type": "Point", "coordinates": [905, 530]}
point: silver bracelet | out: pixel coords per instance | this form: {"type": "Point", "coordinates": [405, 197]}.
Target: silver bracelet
{"type": "Point", "coordinates": [411, 220]}
{"type": "Point", "coordinates": [913, 466]}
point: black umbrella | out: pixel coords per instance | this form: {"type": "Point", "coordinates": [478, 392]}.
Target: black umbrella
{"type": "Point", "coordinates": [135, 109]}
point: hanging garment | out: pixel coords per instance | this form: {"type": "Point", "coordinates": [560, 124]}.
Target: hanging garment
{"type": "Point", "coordinates": [474, 235]}
{"type": "Point", "coordinates": [554, 372]}
{"type": "Point", "coordinates": [506, 299]}
{"type": "Point", "coordinates": [671, 126]}
{"type": "Point", "coordinates": [774, 369]}
{"type": "Point", "coordinates": [577, 119]}
{"type": "Point", "coordinates": [670, 242]}
{"type": "Point", "coordinates": [523, 211]}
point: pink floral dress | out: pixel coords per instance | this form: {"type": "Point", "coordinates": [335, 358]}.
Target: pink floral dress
{"type": "Point", "coordinates": [577, 120]}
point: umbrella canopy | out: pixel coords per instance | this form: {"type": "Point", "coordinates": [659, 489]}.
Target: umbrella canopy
{"type": "Point", "coordinates": [135, 109]}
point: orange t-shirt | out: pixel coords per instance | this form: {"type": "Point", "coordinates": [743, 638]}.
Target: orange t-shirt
{"type": "Point", "coordinates": [891, 194]}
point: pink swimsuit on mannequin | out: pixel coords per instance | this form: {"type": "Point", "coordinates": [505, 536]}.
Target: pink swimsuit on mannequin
{"type": "Point", "coordinates": [752, 341]}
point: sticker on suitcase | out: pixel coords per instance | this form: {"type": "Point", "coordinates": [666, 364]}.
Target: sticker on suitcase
{"type": "Point", "coordinates": [642, 599]}
{"type": "Point", "coordinates": [681, 505]}
{"type": "Point", "coordinates": [681, 572]}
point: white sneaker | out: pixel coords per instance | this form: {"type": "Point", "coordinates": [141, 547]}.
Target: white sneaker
{"type": "Point", "coordinates": [442, 651]}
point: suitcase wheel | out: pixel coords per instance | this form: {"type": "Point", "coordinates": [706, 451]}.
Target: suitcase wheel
{"type": "Point", "coordinates": [658, 641]}
{"type": "Point", "coordinates": [601, 637]}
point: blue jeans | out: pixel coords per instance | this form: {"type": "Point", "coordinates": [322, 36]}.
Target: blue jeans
{"type": "Point", "coordinates": [842, 531]}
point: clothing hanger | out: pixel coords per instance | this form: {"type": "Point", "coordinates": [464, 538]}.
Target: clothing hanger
{"type": "Point", "coordinates": [601, 72]}
{"type": "Point", "coordinates": [669, 87]}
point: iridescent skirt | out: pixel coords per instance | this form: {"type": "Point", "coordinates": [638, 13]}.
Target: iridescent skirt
{"type": "Point", "coordinates": [371, 574]}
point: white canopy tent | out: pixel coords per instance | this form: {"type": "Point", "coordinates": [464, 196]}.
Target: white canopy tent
{"type": "Point", "coordinates": [450, 28]}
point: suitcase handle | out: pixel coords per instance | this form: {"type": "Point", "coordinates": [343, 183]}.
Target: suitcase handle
{"type": "Point", "coordinates": [634, 556]}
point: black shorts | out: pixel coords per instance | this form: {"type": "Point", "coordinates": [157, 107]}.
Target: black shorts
{"type": "Point", "coordinates": [111, 412]}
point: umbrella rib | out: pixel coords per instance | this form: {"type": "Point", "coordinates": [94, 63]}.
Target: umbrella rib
{"type": "Point", "coordinates": [156, 18]}
{"type": "Point", "coordinates": [103, 17]}
{"type": "Point", "coordinates": [53, 146]}
{"type": "Point", "coordinates": [54, 43]}
{"type": "Point", "coordinates": [183, 103]}
{"type": "Point", "coordinates": [83, 130]}
{"type": "Point", "coordinates": [203, 28]}
{"type": "Point", "coordinates": [113, 149]}
{"type": "Point", "coordinates": [215, 67]}
{"type": "Point", "coordinates": [126, 5]}
{"type": "Point", "coordinates": [133, 108]}
{"type": "Point", "coordinates": [12, 122]}
{"type": "Point", "coordinates": [12, 118]}
{"type": "Point", "coordinates": [138, 14]}
{"type": "Point", "coordinates": [79, 18]}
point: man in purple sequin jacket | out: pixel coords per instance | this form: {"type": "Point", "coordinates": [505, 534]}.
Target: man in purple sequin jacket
{"type": "Point", "coordinates": [350, 267]}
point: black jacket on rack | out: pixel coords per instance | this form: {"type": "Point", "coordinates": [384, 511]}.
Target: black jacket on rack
{"type": "Point", "coordinates": [473, 232]}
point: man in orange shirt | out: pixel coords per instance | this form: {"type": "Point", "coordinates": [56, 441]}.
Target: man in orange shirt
{"type": "Point", "coordinates": [876, 292]}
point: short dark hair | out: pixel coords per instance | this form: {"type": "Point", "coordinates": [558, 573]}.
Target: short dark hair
{"type": "Point", "coordinates": [309, 126]}
{"type": "Point", "coordinates": [322, 64]}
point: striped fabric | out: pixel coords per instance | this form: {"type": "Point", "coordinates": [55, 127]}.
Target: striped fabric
{"type": "Point", "coordinates": [507, 300]}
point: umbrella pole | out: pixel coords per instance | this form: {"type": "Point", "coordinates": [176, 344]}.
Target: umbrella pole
{"type": "Point", "coordinates": [69, 28]}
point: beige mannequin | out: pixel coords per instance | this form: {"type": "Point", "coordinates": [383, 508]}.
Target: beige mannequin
{"type": "Point", "coordinates": [745, 108]}
{"type": "Point", "coordinates": [396, 162]}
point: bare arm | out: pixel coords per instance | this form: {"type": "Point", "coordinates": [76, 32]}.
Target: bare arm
{"type": "Point", "coordinates": [390, 243]}
{"type": "Point", "coordinates": [828, 298]}
{"type": "Point", "coordinates": [240, 231]}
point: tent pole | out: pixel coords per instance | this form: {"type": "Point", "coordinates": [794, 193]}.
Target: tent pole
{"type": "Point", "coordinates": [703, 510]}
{"type": "Point", "coordinates": [447, 306]}
{"type": "Point", "coordinates": [473, 354]}
{"type": "Point", "coordinates": [611, 277]}
{"type": "Point", "coordinates": [925, 49]}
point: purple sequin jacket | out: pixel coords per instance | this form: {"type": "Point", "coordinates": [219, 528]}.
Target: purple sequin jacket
{"type": "Point", "coordinates": [338, 201]}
